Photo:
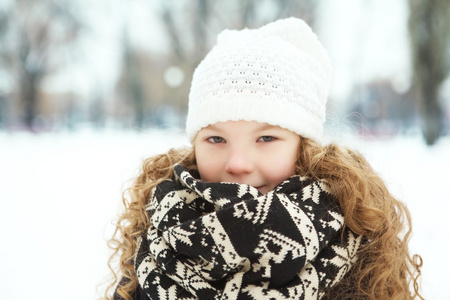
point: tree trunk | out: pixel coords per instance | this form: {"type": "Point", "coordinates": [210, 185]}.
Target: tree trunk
{"type": "Point", "coordinates": [432, 115]}
{"type": "Point", "coordinates": [29, 98]}
{"type": "Point", "coordinates": [428, 24]}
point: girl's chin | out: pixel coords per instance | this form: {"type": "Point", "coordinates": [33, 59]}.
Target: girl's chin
{"type": "Point", "coordinates": [263, 189]}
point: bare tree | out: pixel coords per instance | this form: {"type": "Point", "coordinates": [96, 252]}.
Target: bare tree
{"type": "Point", "coordinates": [191, 28]}
{"type": "Point", "coordinates": [168, 18]}
{"type": "Point", "coordinates": [252, 14]}
{"type": "Point", "coordinates": [131, 85]}
{"type": "Point", "coordinates": [34, 34]}
{"type": "Point", "coordinates": [429, 26]}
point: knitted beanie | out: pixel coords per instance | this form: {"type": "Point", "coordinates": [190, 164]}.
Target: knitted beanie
{"type": "Point", "coordinates": [278, 74]}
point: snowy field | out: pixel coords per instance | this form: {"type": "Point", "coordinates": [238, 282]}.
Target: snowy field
{"type": "Point", "coordinates": [61, 191]}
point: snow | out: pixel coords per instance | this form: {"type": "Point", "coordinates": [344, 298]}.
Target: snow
{"type": "Point", "coordinates": [61, 191]}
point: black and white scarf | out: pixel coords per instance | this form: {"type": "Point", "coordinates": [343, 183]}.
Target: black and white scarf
{"type": "Point", "coordinates": [229, 241]}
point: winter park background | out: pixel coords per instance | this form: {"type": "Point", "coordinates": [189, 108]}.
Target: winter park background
{"type": "Point", "coordinates": [63, 171]}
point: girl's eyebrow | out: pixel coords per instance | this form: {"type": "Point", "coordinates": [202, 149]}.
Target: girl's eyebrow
{"type": "Point", "coordinates": [213, 128]}
{"type": "Point", "coordinates": [266, 126]}
{"type": "Point", "coordinates": [261, 127]}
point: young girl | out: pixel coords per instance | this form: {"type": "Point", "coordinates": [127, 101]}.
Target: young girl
{"type": "Point", "coordinates": [260, 208]}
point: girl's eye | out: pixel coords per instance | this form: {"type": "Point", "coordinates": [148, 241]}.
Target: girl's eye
{"type": "Point", "coordinates": [266, 138]}
{"type": "Point", "coordinates": [216, 139]}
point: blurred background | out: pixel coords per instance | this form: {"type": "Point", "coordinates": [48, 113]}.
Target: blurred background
{"type": "Point", "coordinates": [89, 88]}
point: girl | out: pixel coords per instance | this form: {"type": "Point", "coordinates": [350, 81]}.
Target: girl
{"type": "Point", "coordinates": [260, 208]}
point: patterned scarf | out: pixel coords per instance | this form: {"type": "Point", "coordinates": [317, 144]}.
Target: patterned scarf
{"type": "Point", "coordinates": [229, 241]}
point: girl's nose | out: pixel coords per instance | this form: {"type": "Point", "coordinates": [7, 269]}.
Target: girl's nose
{"type": "Point", "coordinates": [239, 161]}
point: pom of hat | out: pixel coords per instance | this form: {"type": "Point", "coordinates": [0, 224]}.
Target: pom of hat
{"type": "Point", "coordinates": [293, 30]}
{"type": "Point", "coordinates": [278, 74]}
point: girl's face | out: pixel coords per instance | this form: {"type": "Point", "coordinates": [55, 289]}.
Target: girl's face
{"type": "Point", "coordinates": [253, 153]}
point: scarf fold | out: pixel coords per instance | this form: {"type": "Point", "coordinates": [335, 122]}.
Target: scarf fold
{"type": "Point", "coordinates": [229, 241]}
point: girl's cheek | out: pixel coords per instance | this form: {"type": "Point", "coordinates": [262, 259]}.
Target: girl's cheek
{"type": "Point", "coordinates": [209, 169]}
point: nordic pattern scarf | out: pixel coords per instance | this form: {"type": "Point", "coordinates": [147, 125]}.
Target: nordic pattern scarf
{"type": "Point", "coordinates": [229, 241]}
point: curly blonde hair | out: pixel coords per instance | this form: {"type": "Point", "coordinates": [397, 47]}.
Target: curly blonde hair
{"type": "Point", "coordinates": [385, 269]}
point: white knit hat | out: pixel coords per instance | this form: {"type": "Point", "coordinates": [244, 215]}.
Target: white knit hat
{"type": "Point", "coordinates": [278, 74]}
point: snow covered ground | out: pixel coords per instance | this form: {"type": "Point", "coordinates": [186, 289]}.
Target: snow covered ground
{"type": "Point", "coordinates": [60, 192]}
